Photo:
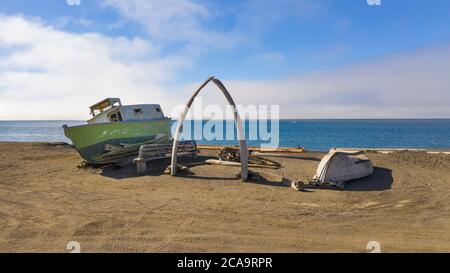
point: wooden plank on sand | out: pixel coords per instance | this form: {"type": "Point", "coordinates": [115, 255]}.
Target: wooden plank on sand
{"type": "Point", "coordinates": [255, 149]}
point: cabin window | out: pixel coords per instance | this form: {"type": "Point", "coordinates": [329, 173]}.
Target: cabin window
{"type": "Point", "coordinates": [116, 117]}
{"type": "Point", "coordinates": [158, 110]}
{"type": "Point", "coordinates": [138, 111]}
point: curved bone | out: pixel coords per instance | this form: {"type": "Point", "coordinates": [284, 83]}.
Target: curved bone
{"type": "Point", "coordinates": [237, 120]}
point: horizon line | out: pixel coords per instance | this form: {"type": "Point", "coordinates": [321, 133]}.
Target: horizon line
{"type": "Point", "coordinates": [281, 119]}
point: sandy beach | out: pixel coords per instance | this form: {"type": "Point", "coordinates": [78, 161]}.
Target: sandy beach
{"type": "Point", "coordinates": [46, 201]}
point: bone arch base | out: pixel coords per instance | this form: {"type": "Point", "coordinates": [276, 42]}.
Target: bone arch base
{"type": "Point", "coordinates": [237, 120]}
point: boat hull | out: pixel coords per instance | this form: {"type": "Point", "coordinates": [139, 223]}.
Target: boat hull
{"type": "Point", "coordinates": [110, 142]}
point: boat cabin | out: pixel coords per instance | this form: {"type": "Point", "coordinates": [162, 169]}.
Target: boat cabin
{"type": "Point", "coordinates": [112, 110]}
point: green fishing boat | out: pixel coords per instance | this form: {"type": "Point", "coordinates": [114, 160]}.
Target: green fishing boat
{"type": "Point", "coordinates": [116, 131]}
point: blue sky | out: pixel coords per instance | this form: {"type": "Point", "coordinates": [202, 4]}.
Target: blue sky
{"type": "Point", "coordinates": [294, 44]}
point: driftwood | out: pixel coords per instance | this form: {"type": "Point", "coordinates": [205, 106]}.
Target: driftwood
{"type": "Point", "coordinates": [255, 149]}
{"type": "Point", "coordinates": [231, 154]}
{"type": "Point", "coordinates": [180, 168]}
{"type": "Point", "coordinates": [237, 164]}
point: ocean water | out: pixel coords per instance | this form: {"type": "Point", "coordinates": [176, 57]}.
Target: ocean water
{"type": "Point", "coordinates": [316, 135]}
{"type": "Point", "coordinates": [35, 131]}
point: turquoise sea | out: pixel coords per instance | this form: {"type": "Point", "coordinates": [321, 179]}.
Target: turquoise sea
{"type": "Point", "coordinates": [317, 135]}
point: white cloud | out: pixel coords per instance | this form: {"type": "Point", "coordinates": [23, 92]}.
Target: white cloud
{"type": "Point", "coordinates": [411, 85]}
{"type": "Point", "coordinates": [65, 21]}
{"type": "Point", "coordinates": [50, 74]}
{"type": "Point", "coordinates": [191, 21]}
{"type": "Point", "coordinates": [165, 19]}
{"type": "Point", "coordinates": [46, 73]}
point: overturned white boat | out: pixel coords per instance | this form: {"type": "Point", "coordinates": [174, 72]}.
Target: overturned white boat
{"type": "Point", "coordinates": [338, 167]}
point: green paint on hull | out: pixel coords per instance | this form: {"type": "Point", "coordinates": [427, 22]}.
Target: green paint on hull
{"type": "Point", "coordinates": [126, 137]}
